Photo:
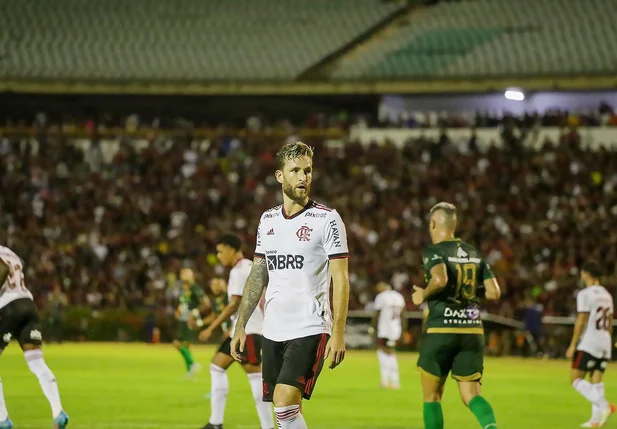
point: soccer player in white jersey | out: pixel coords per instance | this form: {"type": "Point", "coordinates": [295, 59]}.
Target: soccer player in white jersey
{"type": "Point", "coordinates": [301, 248]}
{"type": "Point", "coordinates": [591, 345]}
{"type": "Point", "coordinates": [19, 319]}
{"type": "Point", "coordinates": [389, 318]}
{"type": "Point", "coordinates": [229, 253]}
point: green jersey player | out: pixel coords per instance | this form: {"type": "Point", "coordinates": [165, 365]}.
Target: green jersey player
{"type": "Point", "coordinates": [193, 300]}
{"type": "Point", "coordinates": [453, 341]}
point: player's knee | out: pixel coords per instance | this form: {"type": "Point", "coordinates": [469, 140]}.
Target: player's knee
{"type": "Point", "coordinates": [468, 391]}
{"type": "Point", "coordinates": [285, 395]}
{"type": "Point", "coordinates": [432, 396]}
{"type": "Point", "coordinates": [466, 398]}
{"type": "Point", "coordinates": [222, 360]}
{"type": "Point", "coordinates": [575, 375]}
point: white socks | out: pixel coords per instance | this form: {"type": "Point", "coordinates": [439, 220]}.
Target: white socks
{"type": "Point", "coordinates": [290, 417]}
{"type": "Point", "coordinates": [383, 367]}
{"type": "Point", "coordinates": [4, 414]}
{"type": "Point", "coordinates": [394, 377]}
{"type": "Point", "coordinates": [596, 412]}
{"type": "Point", "coordinates": [47, 380]}
{"type": "Point", "coordinates": [388, 366]}
{"type": "Point", "coordinates": [219, 391]}
{"type": "Point", "coordinates": [594, 393]}
{"type": "Point", "coordinates": [264, 409]}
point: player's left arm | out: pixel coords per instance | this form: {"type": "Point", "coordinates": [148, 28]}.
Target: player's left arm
{"type": "Point", "coordinates": [579, 327]}
{"type": "Point", "coordinates": [339, 268]}
{"type": "Point", "coordinates": [335, 246]}
{"type": "Point", "coordinates": [583, 309]}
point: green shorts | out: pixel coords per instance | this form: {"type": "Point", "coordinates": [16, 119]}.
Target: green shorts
{"type": "Point", "coordinates": [461, 354]}
{"type": "Point", "coordinates": [184, 334]}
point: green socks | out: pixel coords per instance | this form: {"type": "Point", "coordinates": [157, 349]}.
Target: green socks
{"type": "Point", "coordinates": [188, 358]}
{"type": "Point", "coordinates": [483, 412]}
{"type": "Point", "coordinates": [433, 416]}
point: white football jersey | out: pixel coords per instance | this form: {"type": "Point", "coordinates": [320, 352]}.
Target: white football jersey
{"type": "Point", "coordinates": [297, 250]}
{"type": "Point", "coordinates": [390, 304]}
{"type": "Point", "coordinates": [596, 339]}
{"type": "Point", "coordinates": [235, 286]}
{"type": "Point", "coordinates": [15, 286]}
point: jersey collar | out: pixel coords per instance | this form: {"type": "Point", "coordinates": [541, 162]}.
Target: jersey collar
{"type": "Point", "coordinates": [308, 205]}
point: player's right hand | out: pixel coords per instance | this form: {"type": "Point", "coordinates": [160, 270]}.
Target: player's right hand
{"type": "Point", "coordinates": [418, 295]}
{"type": "Point", "coordinates": [237, 344]}
{"type": "Point", "coordinates": [570, 352]}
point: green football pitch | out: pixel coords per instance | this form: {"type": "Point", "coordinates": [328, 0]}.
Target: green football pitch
{"type": "Point", "coordinates": [139, 386]}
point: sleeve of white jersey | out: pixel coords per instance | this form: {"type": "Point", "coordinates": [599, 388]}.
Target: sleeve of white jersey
{"type": "Point", "coordinates": [237, 280]}
{"type": "Point", "coordinates": [259, 253]}
{"type": "Point", "coordinates": [335, 241]}
{"type": "Point", "coordinates": [378, 302]}
{"type": "Point", "coordinates": [582, 303]}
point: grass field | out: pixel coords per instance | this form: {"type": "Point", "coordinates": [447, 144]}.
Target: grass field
{"type": "Point", "coordinates": [138, 386]}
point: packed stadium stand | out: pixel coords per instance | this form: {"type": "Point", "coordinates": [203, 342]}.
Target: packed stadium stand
{"type": "Point", "coordinates": [112, 219]}
{"type": "Point", "coordinates": [493, 38]}
{"type": "Point", "coordinates": [180, 40]}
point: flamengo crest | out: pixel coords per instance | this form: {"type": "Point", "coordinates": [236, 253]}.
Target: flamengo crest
{"type": "Point", "coordinates": [304, 233]}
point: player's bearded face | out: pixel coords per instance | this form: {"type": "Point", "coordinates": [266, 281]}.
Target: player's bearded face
{"type": "Point", "coordinates": [296, 178]}
{"type": "Point", "coordinates": [295, 192]}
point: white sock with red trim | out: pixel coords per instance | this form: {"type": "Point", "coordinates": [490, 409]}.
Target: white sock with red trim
{"type": "Point", "coordinates": [290, 417]}
{"type": "Point", "coordinates": [264, 409]}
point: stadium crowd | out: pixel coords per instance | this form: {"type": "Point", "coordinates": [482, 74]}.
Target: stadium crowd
{"type": "Point", "coordinates": [112, 223]}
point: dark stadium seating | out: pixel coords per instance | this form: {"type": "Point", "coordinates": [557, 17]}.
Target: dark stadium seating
{"type": "Point", "coordinates": [494, 38]}
{"type": "Point", "coordinates": [179, 40]}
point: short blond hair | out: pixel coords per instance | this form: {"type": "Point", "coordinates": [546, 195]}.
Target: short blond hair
{"type": "Point", "coordinates": [292, 151]}
{"type": "Point", "coordinates": [449, 208]}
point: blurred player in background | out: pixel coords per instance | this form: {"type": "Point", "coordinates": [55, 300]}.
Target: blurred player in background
{"type": "Point", "coordinates": [193, 301]}
{"type": "Point", "coordinates": [591, 344]}
{"type": "Point", "coordinates": [453, 341]}
{"type": "Point", "coordinates": [19, 319]}
{"type": "Point", "coordinates": [301, 249]}
{"type": "Point", "coordinates": [389, 321]}
{"type": "Point", "coordinates": [229, 253]}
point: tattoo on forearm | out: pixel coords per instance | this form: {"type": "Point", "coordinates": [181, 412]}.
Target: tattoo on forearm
{"type": "Point", "coordinates": [255, 284]}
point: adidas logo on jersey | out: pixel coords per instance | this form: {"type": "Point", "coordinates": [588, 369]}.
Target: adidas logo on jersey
{"type": "Point", "coordinates": [461, 253]}
{"type": "Point", "coordinates": [271, 232]}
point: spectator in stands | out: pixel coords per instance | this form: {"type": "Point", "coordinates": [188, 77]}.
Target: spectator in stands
{"type": "Point", "coordinates": [110, 220]}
